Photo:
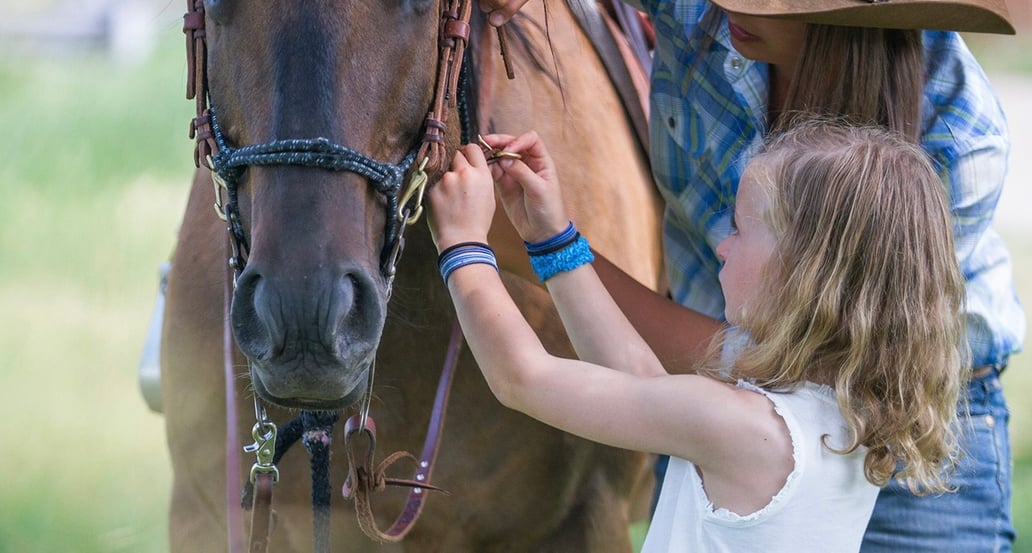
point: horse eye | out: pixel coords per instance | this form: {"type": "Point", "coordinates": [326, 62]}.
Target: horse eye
{"type": "Point", "coordinates": [419, 6]}
{"type": "Point", "coordinates": [219, 10]}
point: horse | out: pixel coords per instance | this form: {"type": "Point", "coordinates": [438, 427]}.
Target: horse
{"type": "Point", "coordinates": [290, 270]}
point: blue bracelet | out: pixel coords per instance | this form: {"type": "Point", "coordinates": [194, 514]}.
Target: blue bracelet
{"type": "Point", "coordinates": [555, 243]}
{"type": "Point", "coordinates": [462, 254]}
{"type": "Point", "coordinates": [569, 257]}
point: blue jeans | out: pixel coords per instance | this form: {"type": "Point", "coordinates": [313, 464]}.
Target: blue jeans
{"type": "Point", "coordinates": [975, 519]}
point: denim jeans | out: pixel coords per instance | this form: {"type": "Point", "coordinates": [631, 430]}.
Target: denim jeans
{"type": "Point", "coordinates": [976, 518]}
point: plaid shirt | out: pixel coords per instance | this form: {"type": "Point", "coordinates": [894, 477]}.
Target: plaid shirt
{"type": "Point", "coordinates": [708, 107]}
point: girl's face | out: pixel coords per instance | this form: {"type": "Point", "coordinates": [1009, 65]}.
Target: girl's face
{"type": "Point", "coordinates": [747, 250]}
{"type": "Point", "coordinates": [774, 41]}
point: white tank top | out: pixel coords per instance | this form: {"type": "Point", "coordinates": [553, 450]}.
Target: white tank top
{"type": "Point", "coordinates": [823, 507]}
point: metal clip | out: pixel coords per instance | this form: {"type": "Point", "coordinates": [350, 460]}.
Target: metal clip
{"type": "Point", "coordinates": [264, 448]}
{"type": "Point", "coordinates": [219, 184]}
{"type": "Point", "coordinates": [416, 187]}
{"type": "Point", "coordinates": [495, 154]}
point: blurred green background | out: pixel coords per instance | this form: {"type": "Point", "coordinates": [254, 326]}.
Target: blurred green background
{"type": "Point", "coordinates": [94, 169]}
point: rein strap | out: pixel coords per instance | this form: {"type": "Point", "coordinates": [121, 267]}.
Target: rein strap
{"type": "Point", "coordinates": [362, 480]}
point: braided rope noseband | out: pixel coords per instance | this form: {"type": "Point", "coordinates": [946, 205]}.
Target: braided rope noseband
{"type": "Point", "coordinates": [229, 163]}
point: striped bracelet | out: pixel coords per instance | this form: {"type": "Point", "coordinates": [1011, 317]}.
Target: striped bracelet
{"type": "Point", "coordinates": [563, 252]}
{"type": "Point", "coordinates": [462, 254]}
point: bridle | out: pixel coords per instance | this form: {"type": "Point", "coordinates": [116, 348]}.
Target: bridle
{"type": "Point", "coordinates": [404, 207]}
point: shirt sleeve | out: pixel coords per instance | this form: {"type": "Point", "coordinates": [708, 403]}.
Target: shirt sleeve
{"type": "Point", "coordinates": [974, 179]}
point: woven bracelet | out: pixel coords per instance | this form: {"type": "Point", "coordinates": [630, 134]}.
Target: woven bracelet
{"type": "Point", "coordinates": [563, 252]}
{"type": "Point", "coordinates": [462, 254]}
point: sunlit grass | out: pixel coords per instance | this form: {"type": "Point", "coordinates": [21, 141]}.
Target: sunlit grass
{"type": "Point", "coordinates": [87, 463]}
{"type": "Point", "coordinates": [94, 174]}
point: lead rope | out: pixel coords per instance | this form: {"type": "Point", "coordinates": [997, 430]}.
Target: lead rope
{"type": "Point", "coordinates": [318, 432]}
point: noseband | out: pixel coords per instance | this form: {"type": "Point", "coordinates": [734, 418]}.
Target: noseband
{"type": "Point", "coordinates": [228, 165]}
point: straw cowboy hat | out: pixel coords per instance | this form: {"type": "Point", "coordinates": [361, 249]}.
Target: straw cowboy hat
{"type": "Point", "coordinates": [978, 16]}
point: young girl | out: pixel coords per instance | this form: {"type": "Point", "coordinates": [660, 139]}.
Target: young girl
{"type": "Point", "coordinates": [840, 272]}
{"type": "Point", "coordinates": [724, 72]}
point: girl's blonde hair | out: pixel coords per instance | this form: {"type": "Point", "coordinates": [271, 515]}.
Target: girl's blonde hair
{"type": "Point", "coordinates": [864, 292]}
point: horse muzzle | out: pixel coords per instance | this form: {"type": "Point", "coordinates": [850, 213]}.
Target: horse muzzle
{"type": "Point", "coordinates": [310, 337]}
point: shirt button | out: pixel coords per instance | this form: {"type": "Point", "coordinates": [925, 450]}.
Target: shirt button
{"type": "Point", "coordinates": [736, 63]}
{"type": "Point", "coordinates": [670, 121]}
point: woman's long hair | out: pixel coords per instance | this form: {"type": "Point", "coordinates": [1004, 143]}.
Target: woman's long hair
{"type": "Point", "coordinates": [865, 292]}
{"type": "Point", "coordinates": [868, 76]}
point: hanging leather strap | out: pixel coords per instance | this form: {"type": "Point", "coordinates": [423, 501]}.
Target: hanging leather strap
{"type": "Point", "coordinates": [261, 508]}
{"type": "Point", "coordinates": [363, 480]}
{"type": "Point", "coordinates": [261, 513]}
{"type": "Point", "coordinates": [234, 531]}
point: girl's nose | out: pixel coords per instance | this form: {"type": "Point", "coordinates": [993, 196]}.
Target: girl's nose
{"type": "Point", "coordinates": [722, 249]}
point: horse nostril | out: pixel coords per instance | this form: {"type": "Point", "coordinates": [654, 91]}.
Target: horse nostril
{"type": "Point", "coordinates": [254, 332]}
{"type": "Point", "coordinates": [356, 311]}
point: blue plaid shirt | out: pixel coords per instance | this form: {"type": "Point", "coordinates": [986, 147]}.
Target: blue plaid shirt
{"type": "Point", "coordinates": [708, 107]}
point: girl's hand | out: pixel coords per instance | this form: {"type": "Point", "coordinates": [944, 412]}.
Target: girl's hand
{"type": "Point", "coordinates": [529, 187]}
{"type": "Point", "coordinates": [462, 203]}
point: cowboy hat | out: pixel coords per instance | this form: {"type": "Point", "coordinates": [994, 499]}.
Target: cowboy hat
{"type": "Point", "coordinates": [978, 16]}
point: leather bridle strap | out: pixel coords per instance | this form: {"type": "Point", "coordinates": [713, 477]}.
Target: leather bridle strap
{"type": "Point", "coordinates": [197, 80]}
{"type": "Point", "coordinates": [454, 38]}
{"type": "Point", "coordinates": [363, 480]}
{"type": "Point", "coordinates": [261, 513]}
{"type": "Point", "coordinates": [234, 533]}
{"type": "Point", "coordinates": [261, 508]}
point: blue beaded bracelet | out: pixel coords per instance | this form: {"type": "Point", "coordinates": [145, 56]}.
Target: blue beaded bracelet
{"type": "Point", "coordinates": [563, 252]}
{"type": "Point", "coordinates": [462, 254]}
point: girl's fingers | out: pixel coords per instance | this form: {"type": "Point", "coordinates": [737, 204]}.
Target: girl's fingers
{"type": "Point", "coordinates": [474, 155]}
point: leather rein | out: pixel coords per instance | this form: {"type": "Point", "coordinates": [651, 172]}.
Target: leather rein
{"type": "Point", "coordinates": [404, 208]}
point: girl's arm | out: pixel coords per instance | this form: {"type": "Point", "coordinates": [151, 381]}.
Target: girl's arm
{"type": "Point", "coordinates": [637, 407]}
{"type": "Point", "coordinates": [679, 336]}
{"type": "Point", "coordinates": [533, 201]}
{"type": "Point", "coordinates": [532, 197]}
{"type": "Point", "coordinates": [598, 329]}
{"type": "Point", "coordinates": [725, 430]}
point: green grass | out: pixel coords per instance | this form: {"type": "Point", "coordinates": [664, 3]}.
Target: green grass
{"type": "Point", "coordinates": [94, 175]}
{"type": "Point", "coordinates": [94, 169]}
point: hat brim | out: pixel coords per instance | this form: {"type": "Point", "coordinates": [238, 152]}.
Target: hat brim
{"type": "Point", "coordinates": [976, 16]}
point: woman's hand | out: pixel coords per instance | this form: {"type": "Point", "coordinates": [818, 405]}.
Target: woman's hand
{"type": "Point", "coordinates": [462, 203]}
{"type": "Point", "coordinates": [529, 187]}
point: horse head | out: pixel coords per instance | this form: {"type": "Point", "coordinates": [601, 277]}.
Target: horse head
{"type": "Point", "coordinates": [315, 123]}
